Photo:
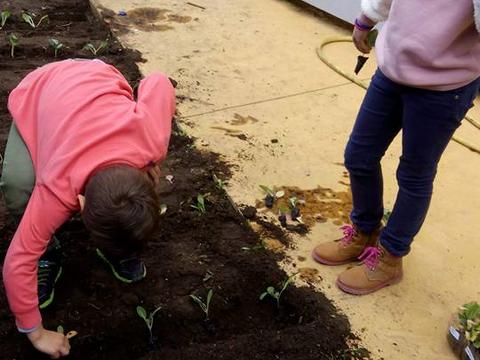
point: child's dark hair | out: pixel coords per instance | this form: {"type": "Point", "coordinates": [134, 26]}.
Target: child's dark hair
{"type": "Point", "coordinates": [121, 209]}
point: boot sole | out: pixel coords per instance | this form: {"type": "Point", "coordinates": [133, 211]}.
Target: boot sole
{"type": "Point", "coordinates": [322, 261]}
{"type": "Point", "coordinates": [353, 291]}
{"type": "Point", "coordinates": [49, 301]}
{"type": "Point", "coordinates": [116, 274]}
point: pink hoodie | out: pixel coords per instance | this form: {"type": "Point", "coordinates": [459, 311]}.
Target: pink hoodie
{"type": "Point", "coordinates": [430, 44]}
{"type": "Point", "coordinates": [76, 117]}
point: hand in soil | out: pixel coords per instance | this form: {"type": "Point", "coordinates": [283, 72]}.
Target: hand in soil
{"type": "Point", "coordinates": [49, 342]}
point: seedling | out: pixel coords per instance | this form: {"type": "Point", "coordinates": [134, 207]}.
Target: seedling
{"type": "Point", "coordinates": [148, 318]}
{"type": "Point", "coordinates": [295, 210]}
{"type": "Point", "coordinates": [200, 205]}
{"type": "Point", "coordinates": [69, 335]}
{"type": "Point", "coordinates": [96, 50]}
{"type": "Point", "coordinates": [260, 246]}
{"type": "Point", "coordinates": [219, 183]}
{"type": "Point", "coordinates": [29, 19]}
{"type": "Point", "coordinates": [469, 317]}
{"type": "Point", "coordinates": [55, 44]}
{"type": "Point", "coordinates": [283, 215]}
{"type": "Point", "coordinates": [205, 306]}
{"type": "Point", "coordinates": [361, 60]}
{"type": "Point", "coordinates": [13, 40]}
{"type": "Point", "coordinates": [271, 195]}
{"type": "Point", "coordinates": [277, 294]}
{"type": "Point", "coordinates": [4, 15]}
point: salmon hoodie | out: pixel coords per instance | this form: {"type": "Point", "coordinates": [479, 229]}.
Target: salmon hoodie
{"type": "Point", "coordinates": [75, 117]}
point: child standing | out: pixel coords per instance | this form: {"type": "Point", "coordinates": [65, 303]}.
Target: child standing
{"type": "Point", "coordinates": [428, 56]}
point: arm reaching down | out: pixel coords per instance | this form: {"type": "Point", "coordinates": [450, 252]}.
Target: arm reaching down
{"type": "Point", "coordinates": [43, 216]}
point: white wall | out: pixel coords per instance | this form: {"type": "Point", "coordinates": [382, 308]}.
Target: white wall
{"type": "Point", "coordinates": [343, 9]}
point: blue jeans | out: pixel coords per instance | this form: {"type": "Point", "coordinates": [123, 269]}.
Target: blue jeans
{"type": "Point", "coordinates": [428, 119]}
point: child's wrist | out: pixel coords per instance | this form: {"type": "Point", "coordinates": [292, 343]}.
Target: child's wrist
{"type": "Point", "coordinates": [363, 26]}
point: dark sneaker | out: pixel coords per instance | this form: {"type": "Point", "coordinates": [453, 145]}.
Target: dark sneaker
{"type": "Point", "coordinates": [48, 274]}
{"type": "Point", "coordinates": [127, 270]}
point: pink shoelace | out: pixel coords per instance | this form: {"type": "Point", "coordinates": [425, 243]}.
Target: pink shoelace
{"type": "Point", "coordinates": [349, 232]}
{"type": "Point", "coordinates": [370, 257]}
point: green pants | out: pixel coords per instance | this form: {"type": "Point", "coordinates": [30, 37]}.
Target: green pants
{"type": "Point", "coordinates": [18, 175]}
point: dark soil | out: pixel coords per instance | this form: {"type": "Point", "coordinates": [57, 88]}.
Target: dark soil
{"type": "Point", "coordinates": [191, 253]}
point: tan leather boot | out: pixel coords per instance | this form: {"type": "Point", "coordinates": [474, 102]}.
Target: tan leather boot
{"type": "Point", "coordinates": [378, 269]}
{"type": "Point", "coordinates": [345, 250]}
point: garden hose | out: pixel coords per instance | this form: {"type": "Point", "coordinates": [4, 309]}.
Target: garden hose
{"type": "Point", "coordinates": [352, 78]}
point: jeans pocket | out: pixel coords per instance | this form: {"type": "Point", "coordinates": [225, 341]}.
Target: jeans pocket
{"type": "Point", "coordinates": [464, 98]}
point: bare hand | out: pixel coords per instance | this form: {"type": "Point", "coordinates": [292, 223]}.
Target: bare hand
{"type": "Point", "coordinates": [360, 40]}
{"type": "Point", "coordinates": [360, 37]}
{"type": "Point", "coordinates": [50, 342]}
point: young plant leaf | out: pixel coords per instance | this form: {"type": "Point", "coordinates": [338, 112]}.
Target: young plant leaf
{"type": "Point", "coordinates": [13, 40]}
{"type": "Point", "coordinates": [28, 19]}
{"type": "Point", "coordinates": [262, 295]}
{"type": "Point", "coordinates": [279, 194]}
{"type": "Point", "coordinates": [60, 329]}
{"type": "Point", "coordinates": [372, 37]}
{"type": "Point", "coordinates": [267, 190]}
{"type": "Point", "coordinates": [4, 15]}
{"type": "Point", "coordinates": [142, 312]}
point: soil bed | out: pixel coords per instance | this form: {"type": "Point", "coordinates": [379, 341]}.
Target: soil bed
{"type": "Point", "coordinates": [191, 254]}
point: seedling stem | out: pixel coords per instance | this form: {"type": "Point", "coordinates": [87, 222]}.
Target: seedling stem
{"type": "Point", "coordinates": [205, 306]}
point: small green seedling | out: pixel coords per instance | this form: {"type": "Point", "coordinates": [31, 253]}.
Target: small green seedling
{"type": "Point", "coordinates": [205, 306]}
{"type": "Point", "coordinates": [271, 195]}
{"type": "Point", "coordinates": [55, 44]}
{"type": "Point", "coordinates": [148, 318]}
{"type": "Point", "coordinates": [294, 209]}
{"type": "Point", "coordinates": [69, 335]}
{"type": "Point", "coordinates": [361, 60]}
{"type": "Point", "coordinates": [469, 317]}
{"type": "Point", "coordinates": [13, 40]}
{"type": "Point", "coordinates": [219, 183]}
{"type": "Point", "coordinates": [96, 50]}
{"type": "Point", "coordinates": [200, 205]}
{"type": "Point", "coordinates": [4, 15]}
{"type": "Point", "coordinates": [29, 19]}
{"type": "Point", "coordinates": [277, 294]}
{"type": "Point", "coordinates": [260, 246]}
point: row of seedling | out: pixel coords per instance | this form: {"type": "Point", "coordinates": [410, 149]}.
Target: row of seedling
{"type": "Point", "coordinates": [292, 211]}
{"type": "Point", "coordinates": [204, 304]}
{"type": "Point", "coordinates": [28, 17]}
{"type": "Point", "coordinates": [56, 45]}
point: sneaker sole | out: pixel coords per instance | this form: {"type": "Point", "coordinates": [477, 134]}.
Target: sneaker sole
{"type": "Point", "coordinates": [47, 302]}
{"type": "Point", "coordinates": [353, 291]}
{"type": "Point", "coordinates": [117, 275]}
{"type": "Point", "coordinates": [322, 261]}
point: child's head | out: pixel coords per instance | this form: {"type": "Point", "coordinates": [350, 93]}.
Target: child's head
{"type": "Point", "coordinates": [121, 209]}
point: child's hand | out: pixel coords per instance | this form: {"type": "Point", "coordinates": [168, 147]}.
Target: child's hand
{"type": "Point", "coordinates": [49, 342]}
{"type": "Point", "coordinates": [360, 36]}
{"type": "Point", "coordinates": [360, 40]}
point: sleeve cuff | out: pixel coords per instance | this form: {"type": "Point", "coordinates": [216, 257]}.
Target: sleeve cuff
{"type": "Point", "coordinates": [29, 321]}
{"type": "Point", "coordinates": [376, 10]}
{"type": "Point", "coordinates": [28, 331]}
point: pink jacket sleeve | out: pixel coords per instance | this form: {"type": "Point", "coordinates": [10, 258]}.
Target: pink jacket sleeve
{"type": "Point", "coordinates": [156, 102]}
{"type": "Point", "coordinates": [43, 216]}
